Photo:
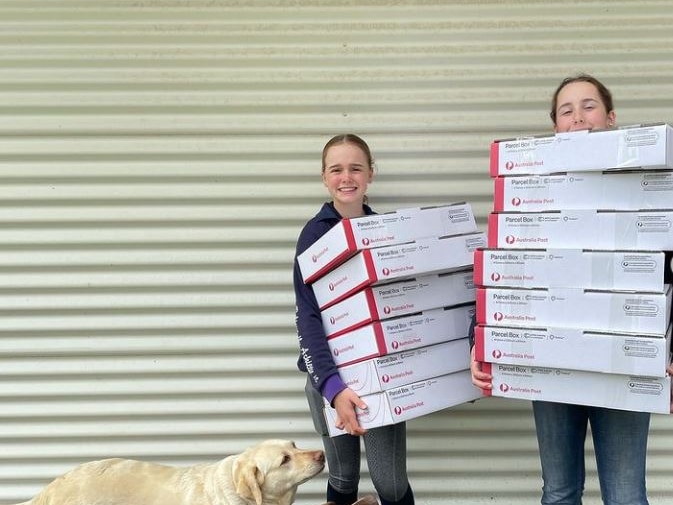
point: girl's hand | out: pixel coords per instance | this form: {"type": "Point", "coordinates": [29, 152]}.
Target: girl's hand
{"type": "Point", "coordinates": [345, 403]}
{"type": "Point", "coordinates": [480, 379]}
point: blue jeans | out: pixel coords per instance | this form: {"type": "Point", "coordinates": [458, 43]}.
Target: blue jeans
{"type": "Point", "coordinates": [620, 444]}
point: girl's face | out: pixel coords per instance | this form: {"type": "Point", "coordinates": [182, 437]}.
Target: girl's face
{"type": "Point", "coordinates": [579, 107]}
{"type": "Point", "coordinates": [346, 175]}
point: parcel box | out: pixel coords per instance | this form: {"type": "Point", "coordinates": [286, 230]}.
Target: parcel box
{"type": "Point", "coordinates": [404, 225]}
{"type": "Point", "coordinates": [402, 261]}
{"type": "Point", "coordinates": [613, 391]}
{"type": "Point", "coordinates": [635, 190]}
{"type": "Point", "coordinates": [411, 401]}
{"type": "Point", "coordinates": [638, 146]}
{"type": "Point", "coordinates": [649, 230]}
{"type": "Point", "coordinates": [575, 349]}
{"type": "Point", "coordinates": [376, 303]}
{"type": "Point", "coordinates": [400, 368]}
{"type": "Point", "coordinates": [401, 334]}
{"type": "Point", "coordinates": [615, 311]}
{"type": "Point", "coordinates": [568, 268]}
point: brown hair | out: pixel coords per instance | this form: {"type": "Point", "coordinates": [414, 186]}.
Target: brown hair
{"type": "Point", "coordinates": [603, 91]}
{"type": "Point", "coordinates": [348, 138]}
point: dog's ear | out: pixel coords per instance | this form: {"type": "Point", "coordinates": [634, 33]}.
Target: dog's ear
{"type": "Point", "coordinates": [248, 479]}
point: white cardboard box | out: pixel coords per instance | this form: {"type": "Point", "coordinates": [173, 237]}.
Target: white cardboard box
{"type": "Point", "coordinates": [411, 401]}
{"type": "Point", "coordinates": [400, 368]}
{"type": "Point", "coordinates": [584, 190]}
{"type": "Point", "coordinates": [574, 349]}
{"type": "Point", "coordinates": [615, 391]}
{"type": "Point", "coordinates": [583, 229]}
{"type": "Point", "coordinates": [567, 268]}
{"type": "Point", "coordinates": [376, 303]}
{"type": "Point", "coordinates": [614, 311]}
{"type": "Point", "coordinates": [377, 230]}
{"type": "Point", "coordinates": [401, 334]}
{"type": "Point", "coordinates": [638, 146]}
{"type": "Point", "coordinates": [402, 261]}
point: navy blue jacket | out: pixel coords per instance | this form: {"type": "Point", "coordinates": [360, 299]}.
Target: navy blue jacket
{"type": "Point", "coordinates": [315, 357]}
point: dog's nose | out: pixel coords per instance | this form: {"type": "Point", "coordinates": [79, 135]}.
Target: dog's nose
{"type": "Point", "coordinates": [319, 456]}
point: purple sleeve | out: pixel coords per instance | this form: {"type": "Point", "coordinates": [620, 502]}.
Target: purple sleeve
{"type": "Point", "coordinates": [315, 355]}
{"type": "Point", "coordinates": [332, 387]}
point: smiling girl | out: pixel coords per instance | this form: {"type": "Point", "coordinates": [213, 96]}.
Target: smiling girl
{"type": "Point", "coordinates": [347, 170]}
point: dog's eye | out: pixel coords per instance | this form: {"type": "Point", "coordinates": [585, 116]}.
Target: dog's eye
{"type": "Point", "coordinates": [286, 460]}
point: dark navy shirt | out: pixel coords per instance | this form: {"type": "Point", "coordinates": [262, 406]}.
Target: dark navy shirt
{"type": "Point", "coordinates": [315, 357]}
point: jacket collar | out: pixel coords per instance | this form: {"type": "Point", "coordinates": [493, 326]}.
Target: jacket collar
{"type": "Point", "coordinates": [328, 212]}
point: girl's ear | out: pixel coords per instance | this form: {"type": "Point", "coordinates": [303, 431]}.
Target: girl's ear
{"type": "Point", "coordinates": [612, 118]}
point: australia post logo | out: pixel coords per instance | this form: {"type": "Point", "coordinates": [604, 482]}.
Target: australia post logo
{"type": "Point", "coordinates": [398, 411]}
{"type": "Point", "coordinates": [510, 239]}
{"type": "Point", "coordinates": [385, 378]}
{"type": "Point", "coordinates": [386, 272]}
{"type": "Point", "coordinates": [495, 276]}
{"type": "Point", "coordinates": [498, 316]}
{"type": "Point", "coordinates": [365, 241]}
{"type": "Point", "coordinates": [395, 344]}
{"type": "Point", "coordinates": [319, 254]}
{"type": "Point", "coordinates": [509, 165]}
{"type": "Point", "coordinates": [387, 310]}
{"type": "Point", "coordinates": [497, 354]}
{"type": "Point", "coordinates": [504, 387]}
{"type": "Point", "coordinates": [516, 201]}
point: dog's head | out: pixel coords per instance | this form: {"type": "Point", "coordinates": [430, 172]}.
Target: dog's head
{"type": "Point", "coordinates": [271, 471]}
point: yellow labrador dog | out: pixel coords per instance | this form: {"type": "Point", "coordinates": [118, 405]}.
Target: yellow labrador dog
{"type": "Point", "coordinates": [265, 474]}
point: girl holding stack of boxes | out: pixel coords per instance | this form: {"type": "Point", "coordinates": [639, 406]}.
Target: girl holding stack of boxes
{"type": "Point", "coordinates": [347, 170]}
{"type": "Point", "coordinates": [620, 437]}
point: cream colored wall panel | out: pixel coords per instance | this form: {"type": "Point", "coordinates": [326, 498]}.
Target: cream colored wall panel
{"type": "Point", "coordinates": [146, 235]}
{"type": "Point", "coordinates": [126, 386]}
{"type": "Point", "coordinates": [193, 255]}
{"type": "Point", "coordinates": [44, 409]}
{"type": "Point", "coordinates": [150, 319]}
{"type": "Point", "coordinates": [143, 343]}
{"type": "Point", "coordinates": [170, 450]}
{"type": "Point", "coordinates": [158, 364]}
{"type": "Point", "coordinates": [144, 278]}
{"type": "Point", "coordinates": [138, 301]}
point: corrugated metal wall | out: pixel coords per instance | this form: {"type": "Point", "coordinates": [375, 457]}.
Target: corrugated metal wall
{"type": "Point", "coordinates": [157, 160]}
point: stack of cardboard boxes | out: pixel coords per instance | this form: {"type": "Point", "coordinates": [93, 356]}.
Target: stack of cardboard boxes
{"type": "Point", "coordinates": [396, 295]}
{"type": "Point", "coordinates": [571, 301]}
